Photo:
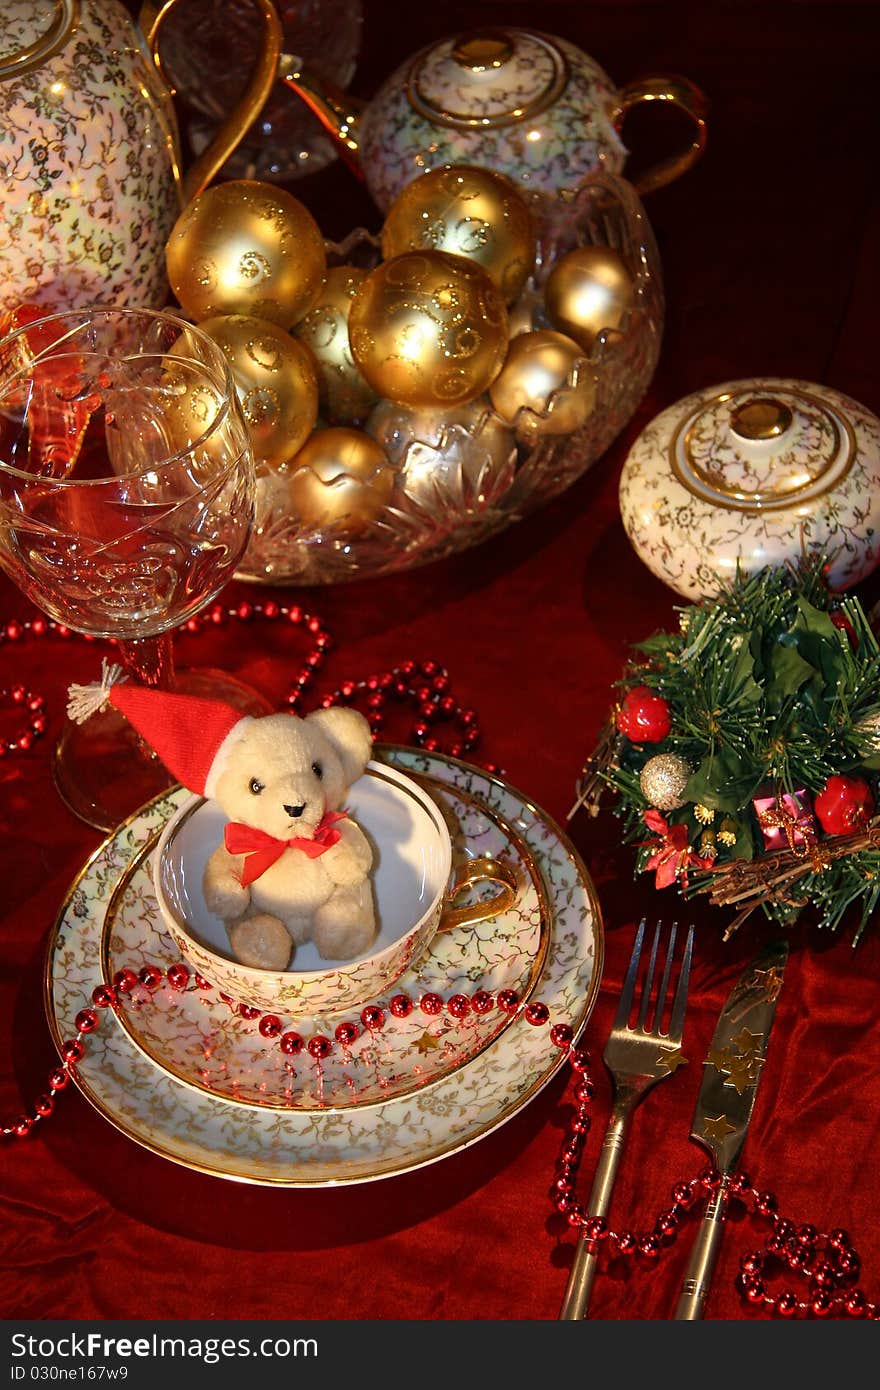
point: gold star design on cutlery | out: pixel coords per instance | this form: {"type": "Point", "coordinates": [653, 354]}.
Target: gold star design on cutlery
{"type": "Point", "coordinates": [717, 1127]}
{"type": "Point", "coordinates": [719, 1058]}
{"type": "Point", "coordinates": [748, 1043]}
{"type": "Point", "coordinates": [427, 1043]}
{"type": "Point", "coordinates": [770, 981]}
{"type": "Point", "coordinates": [742, 1073]}
{"type": "Point", "coordinates": [672, 1060]}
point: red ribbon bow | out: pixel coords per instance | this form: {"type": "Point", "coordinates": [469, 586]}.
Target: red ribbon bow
{"type": "Point", "coordinates": [672, 856]}
{"type": "Point", "coordinates": [263, 849]}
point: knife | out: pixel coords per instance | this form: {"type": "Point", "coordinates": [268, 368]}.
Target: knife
{"type": "Point", "coordinates": [732, 1070]}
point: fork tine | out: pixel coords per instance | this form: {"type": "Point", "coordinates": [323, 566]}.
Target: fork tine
{"type": "Point", "coordinates": [627, 993]}
{"type": "Point", "coordinates": [676, 1023]}
{"type": "Point", "coordinates": [664, 983]}
{"type": "Point", "coordinates": [649, 979]}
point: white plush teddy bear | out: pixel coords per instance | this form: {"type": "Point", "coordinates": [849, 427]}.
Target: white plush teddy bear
{"type": "Point", "coordinates": [285, 778]}
{"type": "Point", "coordinates": [293, 866]}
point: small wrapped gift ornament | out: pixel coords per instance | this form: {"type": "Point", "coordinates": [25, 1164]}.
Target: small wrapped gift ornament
{"type": "Point", "coordinates": [786, 821]}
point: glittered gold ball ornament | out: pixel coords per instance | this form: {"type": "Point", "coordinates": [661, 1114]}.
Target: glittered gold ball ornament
{"type": "Point", "coordinates": [589, 289]}
{"type": "Point", "coordinates": [244, 247]}
{"type": "Point", "coordinates": [345, 395]}
{"type": "Point", "coordinates": [276, 382]}
{"type": "Point", "coordinates": [428, 329]}
{"type": "Point", "coordinates": [461, 455]}
{"type": "Point", "coordinates": [341, 479]}
{"type": "Point", "coordinates": [545, 387]}
{"type": "Point", "coordinates": [663, 780]}
{"type": "Point", "coordinates": [468, 212]}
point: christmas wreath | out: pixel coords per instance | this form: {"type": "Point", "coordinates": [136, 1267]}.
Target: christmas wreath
{"type": "Point", "coordinates": [744, 751]}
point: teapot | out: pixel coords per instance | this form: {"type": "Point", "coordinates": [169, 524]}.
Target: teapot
{"type": "Point", "coordinates": [515, 100]}
{"type": "Point", "coordinates": [90, 160]}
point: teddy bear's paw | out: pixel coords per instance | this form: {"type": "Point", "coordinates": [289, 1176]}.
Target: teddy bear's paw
{"type": "Point", "coordinates": [225, 896]}
{"type": "Point", "coordinates": [344, 926]}
{"type": "Point", "coordinates": [262, 942]}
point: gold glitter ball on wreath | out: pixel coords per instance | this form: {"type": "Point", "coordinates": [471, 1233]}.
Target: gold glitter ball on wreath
{"type": "Point", "coordinates": [341, 479]}
{"type": "Point", "coordinates": [588, 290]}
{"type": "Point", "coordinates": [469, 212]}
{"type": "Point", "coordinates": [428, 329]}
{"type": "Point", "coordinates": [245, 247]}
{"type": "Point", "coordinates": [663, 780]}
{"type": "Point", "coordinates": [345, 395]}
{"type": "Point", "coordinates": [545, 387]}
{"type": "Point", "coordinates": [276, 381]}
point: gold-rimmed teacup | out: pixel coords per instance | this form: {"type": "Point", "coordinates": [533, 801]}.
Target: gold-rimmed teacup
{"type": "Point", "coordinates": [416, 894]}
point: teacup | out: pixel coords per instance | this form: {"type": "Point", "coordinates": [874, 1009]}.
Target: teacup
{"type": "Point", "coordinates": [415, 895]}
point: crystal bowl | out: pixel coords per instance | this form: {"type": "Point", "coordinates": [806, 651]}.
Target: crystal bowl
{"type": "Point", "coordinates": [453, 490]}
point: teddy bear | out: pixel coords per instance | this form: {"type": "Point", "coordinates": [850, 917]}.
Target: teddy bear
{"type": "Point", "coordinates": [293, 866]}
{"type": "Point", "coordinates": [305, 874]}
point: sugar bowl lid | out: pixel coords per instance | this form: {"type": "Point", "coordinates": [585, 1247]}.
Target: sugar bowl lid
{"type": "Point", "coordinates": [754, 473]}
{"type": "Point", "coordinates": [486, 78]}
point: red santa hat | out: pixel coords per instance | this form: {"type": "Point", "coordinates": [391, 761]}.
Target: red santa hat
{"type": "Point", "coordinates": [192, 736]}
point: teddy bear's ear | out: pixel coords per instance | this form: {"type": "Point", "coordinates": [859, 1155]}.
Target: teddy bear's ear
{"type": "Point", "coordinates": [350, 734]}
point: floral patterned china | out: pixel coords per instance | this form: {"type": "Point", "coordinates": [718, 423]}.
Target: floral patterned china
{"type": "Point", "coordinates": [302, 1144]}
{"type": "Point", "coordinates": [203, 1039]}
{"type": "Point", "coordinates": [753, 473]}
{"type": "Point", "coordinates": [520, 102]}
{"type": "Point", "coordinates": [412, 857]}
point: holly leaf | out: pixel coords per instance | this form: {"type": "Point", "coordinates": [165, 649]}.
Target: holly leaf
{"type": "Point", "coordinates": [788, 672]}
{"type": "Point", "coordinates": [721, 782]}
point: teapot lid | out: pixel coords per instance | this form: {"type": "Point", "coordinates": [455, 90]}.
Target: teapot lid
{"type": "Point", "coordinates": [31, 31]}
{"type": "Point", "coordinates": [486, 78]}
{"type": "Point", "coordinates": [762, 446]}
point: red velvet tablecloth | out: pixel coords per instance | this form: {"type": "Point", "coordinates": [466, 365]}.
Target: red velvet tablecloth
{"type": "Point", "coordinates": [770, 257]}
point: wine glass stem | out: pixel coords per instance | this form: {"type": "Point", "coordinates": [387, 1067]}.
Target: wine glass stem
{"type": "Point", "coordinates": [150, 660]}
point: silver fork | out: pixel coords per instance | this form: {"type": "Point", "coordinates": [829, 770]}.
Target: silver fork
{"type": "Point", "coordinates": [637, 1058]}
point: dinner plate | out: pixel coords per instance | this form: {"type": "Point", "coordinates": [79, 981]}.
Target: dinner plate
{"type": "Point", "coordinates": [317, 1144]}
{"type": "Point", "coordinates": [201, 1037]}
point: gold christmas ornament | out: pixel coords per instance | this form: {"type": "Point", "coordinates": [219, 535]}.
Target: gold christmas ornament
{"type": "Point", "coordinates": [428, 329]}
{"type": "Point", "coordinates": [663, 780]}
{"type": "Point", "coordinates": [341, 479]}
{"type": "Point", "coordinates": [344, 394]}
{"type": "Point", "coordinates": [245, 247]}
{"type": "Point", "coordinates": [461, 455]}
{"type": "Point", "coordinates": [469, 212]}
{"type": "Point", "coordinates": [276, 381]}
{"type": "Point", "coordinates": [546, 378]}
{"type": "Point", "coordinates": [588, 290]}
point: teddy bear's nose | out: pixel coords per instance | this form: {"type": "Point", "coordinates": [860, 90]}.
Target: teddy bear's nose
{"type": "Point", "coordinates": [295, 811]}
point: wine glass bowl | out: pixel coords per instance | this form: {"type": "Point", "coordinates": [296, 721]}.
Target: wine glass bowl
{"type": "Point", "coordinates": [126, 503]}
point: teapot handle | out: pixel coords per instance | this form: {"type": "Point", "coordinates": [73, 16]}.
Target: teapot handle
{"type": "Point", "coordinates": [689, 99]}
{"type": "Point", "coordinates": [249, 104]}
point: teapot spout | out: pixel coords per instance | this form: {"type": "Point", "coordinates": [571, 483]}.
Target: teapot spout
{"type": "Point", "coordinates": [339, 113]}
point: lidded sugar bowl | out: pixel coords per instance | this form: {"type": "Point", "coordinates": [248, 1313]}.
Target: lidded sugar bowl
{"type": "Point", "coordinates": [752, 473]}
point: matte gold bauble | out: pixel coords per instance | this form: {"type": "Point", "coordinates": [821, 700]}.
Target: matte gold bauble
{"type": "Point", "coordinates": [469, 212]}
{"type": "Point", "coordinates": [535, 380]}
{"type": "Point", "coordinates": [345, 395]}
{"type": "Point", "coordinates": [428, 329]}
{"type": "Point", "coordinates": [461, 455]}
{"type": "Point", "coordinates": [341, 479]}
{"type": "Point", "coordinates": [588, 290]}
{"type": "Point", "coordinates": [276, 381]}
{"type": "Point", "coordinates": [663, 780]}
{"type": "Point", "coordinates": [245, 247]}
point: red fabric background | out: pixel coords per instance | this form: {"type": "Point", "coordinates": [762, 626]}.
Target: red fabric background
{"type": "Point", "coordinates": [770, 257]}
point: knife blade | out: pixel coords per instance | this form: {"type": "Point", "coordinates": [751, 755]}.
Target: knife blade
{"type": "Point", "coordinates": [732, 1071]}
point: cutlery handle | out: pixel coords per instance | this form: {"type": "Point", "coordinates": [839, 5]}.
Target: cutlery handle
{"type": "Point", "coordinates": [698, 1275]}
{"type": "Point", "coordinates": [583, 1269]}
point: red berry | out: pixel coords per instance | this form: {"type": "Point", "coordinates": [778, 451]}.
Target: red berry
{"type": "Point", "coordinates": [843, 805]}
{"type": "Point", "coordinates": [644, 715]}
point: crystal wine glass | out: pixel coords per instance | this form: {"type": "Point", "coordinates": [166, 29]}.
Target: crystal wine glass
{"type": "Point", "coordinates": [126, 502]}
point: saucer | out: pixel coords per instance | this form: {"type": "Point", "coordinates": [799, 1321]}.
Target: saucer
{"type": "Point", "coordinates": [297, 1146]}
{"type": "Point", "coordinates": [203, 1040]}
